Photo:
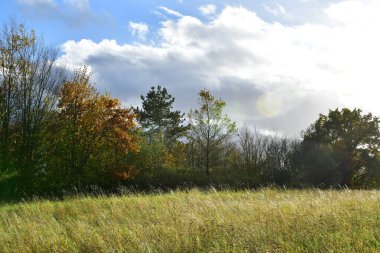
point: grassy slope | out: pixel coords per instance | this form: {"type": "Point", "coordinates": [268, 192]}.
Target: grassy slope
{"type": "Point", "coordinates": [262, 221]}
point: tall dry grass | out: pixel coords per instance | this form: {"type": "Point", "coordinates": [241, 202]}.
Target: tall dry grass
{"type": "Point", "coordinates": [267, 220]}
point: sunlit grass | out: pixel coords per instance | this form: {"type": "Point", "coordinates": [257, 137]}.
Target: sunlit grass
{"type": "Point", "coordinates": [246, 221]}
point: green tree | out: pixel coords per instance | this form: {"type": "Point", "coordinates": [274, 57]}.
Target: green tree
{"type": "Point", "coordinates": [162, 129]}
{"type": "Point", "coordinates": [348, 142]}
{"type": "Point", "coordinates": [29, 80]}
{"type": "Point", "coordinates": [157, 116]}
{"type": "Point", "coordinates": [210, 129]}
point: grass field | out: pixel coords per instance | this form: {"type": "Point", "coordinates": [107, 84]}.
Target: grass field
{"type": "Point", "coordinates": [266, 220]}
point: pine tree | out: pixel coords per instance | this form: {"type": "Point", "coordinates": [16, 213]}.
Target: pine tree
{"type": "Point", "coordinates": [157, 116]}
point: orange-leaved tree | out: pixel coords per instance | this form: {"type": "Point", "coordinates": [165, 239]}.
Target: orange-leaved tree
{"type": "Point", "coordinates": [91, 136]}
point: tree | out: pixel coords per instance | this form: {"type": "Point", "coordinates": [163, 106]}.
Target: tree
{"type": "Point", "coordinates": [252, 148]}
{"type": "Point", "coordinates": [278, 166]}
{"type": "Point", "coordinates": [210, 129]}
{"type": "Point", "coordinates": [266, 157]}
{"type": "Point", "coordinates": [29, 80]}
{"type": "Point", "coordinates": [91, 134]}
{"type": "Point", "coordinates": [157, 117]}
{"type": "Point", "coordinates": [163, 128]}
{"type": "Point", "coordinates": [350, 140]}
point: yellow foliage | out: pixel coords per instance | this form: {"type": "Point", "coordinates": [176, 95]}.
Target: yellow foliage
{"type": "Point", "coordinates": [94, 128]}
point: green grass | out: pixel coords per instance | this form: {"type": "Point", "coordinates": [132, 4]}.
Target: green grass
{"type": "Point", "coordinates": [246, 221]}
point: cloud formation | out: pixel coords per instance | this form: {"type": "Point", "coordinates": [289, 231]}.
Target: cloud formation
{"type": "Point", "coordinates": [277, 10]}
{"type": "Point", "coordinates": [207, 10]}
{"type": "Point", "coordinates": [73, 13]}
{"type": "Point", "coordinates": [140, 30]}
{"type": "Point", "coordinates": [170, 11]}
{"type": "Point", "coordinates": [272, 75]}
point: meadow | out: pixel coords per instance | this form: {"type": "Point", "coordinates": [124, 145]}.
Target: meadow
{"type": "Point", "coordinates": [266, 220]}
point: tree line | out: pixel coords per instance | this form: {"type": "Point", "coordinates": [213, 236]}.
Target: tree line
{"type": "Point", "coordinates": [57, 131]}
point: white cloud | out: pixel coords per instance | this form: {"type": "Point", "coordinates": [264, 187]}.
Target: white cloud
{"type": "Point", "coordinates": [73, 13]}
{"type": "Point", "coordinates": [139, 30]}
{"type": "Point", "coordinates": [39, 9]}
{"type": "Point", "coordinates": [208, 9]}
{"type": "Point", "coordinates": [354, 12]}
{"type": "Point", "coordinates": [277, 10]}
{"type": "Point", "coordinates": [171, 12]}
{"type": "Point", "coordinates": [79, 5]}
{"type": "Point", "coordinates": [36, 2]}
{"type": "Point", "coordinates": [271, 75]}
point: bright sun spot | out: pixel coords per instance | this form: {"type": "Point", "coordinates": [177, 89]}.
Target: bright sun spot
{"type": "Point", "coordinates": [269, 104]}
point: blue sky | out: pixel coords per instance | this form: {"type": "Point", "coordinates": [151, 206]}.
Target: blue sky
{"type": "Point", "coordinates": [277, 64]}
{"type": "Point", "coordinates": [61, 20]}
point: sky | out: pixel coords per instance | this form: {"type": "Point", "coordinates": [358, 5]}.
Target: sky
{"type": "Point", "coordinates": [277, 64]}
